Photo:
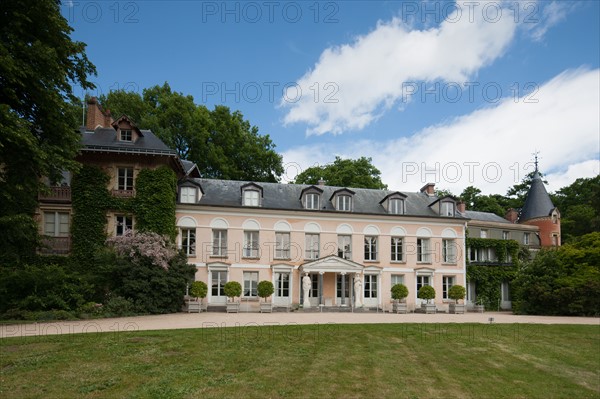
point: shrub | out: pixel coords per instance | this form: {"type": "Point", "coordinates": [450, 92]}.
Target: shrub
{"type": "Point", "coordinates": [426, 292]}
{"type": "Point", "coordinates": [457, 292]}
{"type": "Point", "coordinates": [119, 306]}
{"type": "Point", "coordinates": [232, 289]}
{"type": "Point", "coordinates": [265, 289]}
{"type": "Point", "coordinates": [399, 291]}
{"type": "Point", "coordinates": [199, 289]}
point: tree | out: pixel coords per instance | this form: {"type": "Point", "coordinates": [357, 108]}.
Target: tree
{"type": "Point", "coordinates": [516, 194]}
{"type": "Point", "coordinates": [356, 173]}
{"type": "Point", "coordinates": [579, 205]}
{"type": "Point", "coordinates": [39, 64]}
{"type": "Point", "coordinates": [482, 203]}
{"type": "Point", "coordinates": [222, 143]}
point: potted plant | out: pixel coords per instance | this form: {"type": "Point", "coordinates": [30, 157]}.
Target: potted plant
{"type": "Point", "coordinates": [427, 292]}
{"type": "Point", "coordinates": [479, 306]}
{"type": "Point", "coordinates": [265, 289]}
{"type": "Point", "coordinates": [232, 290]}
{"type": "Point", "coordinates": [198, 291]}
{"type": "Point", "coordinates": [399, 294]}
{"type": "Point", "coordinates": [456, 293]}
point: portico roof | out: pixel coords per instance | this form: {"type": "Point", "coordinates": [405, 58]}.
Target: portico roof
{"type": "Point", "coordinates": [332, 264]}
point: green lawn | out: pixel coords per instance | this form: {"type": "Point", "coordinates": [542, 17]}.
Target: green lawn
{"type": "Point", "coordinates": [319, 361]}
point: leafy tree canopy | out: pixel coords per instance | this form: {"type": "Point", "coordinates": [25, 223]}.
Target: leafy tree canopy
{"type": "Point", "coordinates": [482, 203]}
{"type": "Point", "coordinates": [39, 64]}
{"type": "Point", "coordinates": [357, 173]}
{"type": "Point", "coordinates": [222, 143]}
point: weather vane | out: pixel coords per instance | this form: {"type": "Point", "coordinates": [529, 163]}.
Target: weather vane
{"type": "Point", "coordinates": [535, 156]}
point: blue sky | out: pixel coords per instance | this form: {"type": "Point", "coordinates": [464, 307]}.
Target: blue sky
{"type": "Point", "coordinates": [452, 93]}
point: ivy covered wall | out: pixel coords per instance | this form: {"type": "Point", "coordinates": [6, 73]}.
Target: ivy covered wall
{"type": "Point", "coordinates": [155, 200]}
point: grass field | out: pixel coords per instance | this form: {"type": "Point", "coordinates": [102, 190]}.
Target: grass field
{"type": "Point", "coordinates": [318, 361]}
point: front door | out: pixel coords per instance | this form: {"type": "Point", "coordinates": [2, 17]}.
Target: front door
{"type": "Point", "coordinates": [370, 290]}
{"type": "Point", "coordinates": [422, 279]}
{"type": "Point", "coordinates": [343, 280]}
{"type": "Point", "coordinates": [282, 289]}
{"type": "Point", "coordinates": [219, 278]}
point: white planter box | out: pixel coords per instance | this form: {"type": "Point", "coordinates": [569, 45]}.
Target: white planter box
{"type": "Point", "coordinates": [457, 308]}
{"type": "Point", "coordinates": [399, 307]}
{"type": "Point", "coordinates": [266, 307]}
{"type": "Point", "coordinates": [429, 308]}
{"type": "Point", "coordinates": [233, 307]}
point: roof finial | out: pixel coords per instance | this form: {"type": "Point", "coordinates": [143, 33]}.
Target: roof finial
{"type": "Point", "coordinates": [535, 156]}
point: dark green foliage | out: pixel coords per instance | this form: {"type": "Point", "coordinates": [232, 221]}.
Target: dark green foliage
{"type": "Point", "coordinates": [482, 203]}
{"type": "Point", "coordinates": [488, 279]}
{"type": "Point", "coordinates": [579, 205]}
{"type": "Point", "coordinates": [265, 289]}
{"type": "Point", "coordinates": [426, 292]}
{"type": "Point", "coordinates": [358, 173]}
{"type": "Point", "coordinates": [41, 287]}
{"type": "Point", "coordinates": [501, 247]}
{"type": "Point", "coordinates": [118, 306]}
{"type": "Point", "coordinates": [155, 201]}
{"type": "Point", "coordinates": [399, 291]}
{"type": "Point", "coordinates": [232, 289]}
{"type": "Point", "coordinates": [561, 281]}
{"type": "Point", "coordinates": [199, 289]}
{"type": "Point", "coordinates": [19, 239]}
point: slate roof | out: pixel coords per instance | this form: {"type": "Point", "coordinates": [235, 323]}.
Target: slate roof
{"type": "Point", "coordinates": [538, 202]}
{"type": "Point", "coordinates": [287, 197]}
{"type": "Point", "coordinates": [105, 139]}
{"type": "Point", "coordinates": [485, 217]}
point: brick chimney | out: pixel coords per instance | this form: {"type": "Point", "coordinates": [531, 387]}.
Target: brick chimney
{"type": "Point", "coordinates": [321, 182]}
{"type": "Point", "coordinates": [96, 116]}
{"type": "Point", "coordinates": [461, 206]}
{"type": "Point", "coordinates": [428, 189]}
{"type": "Point", "coordinates": [512, 215]}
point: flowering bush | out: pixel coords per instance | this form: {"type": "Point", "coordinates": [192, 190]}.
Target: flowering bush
{"type": "Point", "coordinates": [148, 245]}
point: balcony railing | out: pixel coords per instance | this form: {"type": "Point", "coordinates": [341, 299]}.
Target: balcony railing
{"type": "Point", "coordinates": [56, 194]}
{"type": "Point", "coordinates": [123, 193]}
{"type": "Point", "coordinates": [55, 245]}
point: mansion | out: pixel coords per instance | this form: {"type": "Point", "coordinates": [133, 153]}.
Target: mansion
{"type": "Point", "coordinates": [353, 244]}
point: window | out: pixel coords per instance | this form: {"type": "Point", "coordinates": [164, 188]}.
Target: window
{"type": "Point", "coordinates": [126, 135]}
{"type": "Point", "coordinates": [345, 247]}
{"type": "Point", "coordinates": [423, 279]}
{"type": "Point", "coordinates": [188, 195]}
{"type": "Point", "coordinates": [251, 198]}
{"type": "Point", "coordinates": [311, 201]}
{"type": "Point", "coordinates": [250, 284]}
{"type": "Point", "coordinates": [282, 245]}
{"type": "Point", "coordinates": [188, 241]}
{"type": "Point", "coordinates": [505, 235]}
{"type": "Point", "coordinates": [125, 179]}
{"type": "Point", "coordinates": [483, 234]}
{"type": "Point", "coordinates": [370, 248]}
{"type": "Point", "coordinates": [526, 238]}
{"type": "Point", "coordinates": [346, 281]}
{"type": "Point", "coordinates": [370, 286]}
{"type": "Point", "coordinates": [397, 279]}
{"type": "Point", "coordinates": [251, 244]}
{"type": "Point", "coordinates": [219, 243]}
{"type": "Point", "coordinates": [447, 208]}
{"type": "Point", "coordinates": [396, 206]}
{"type": "Point", "coordinates": [282, 284]}
{"type": "Point", "coordinates": [314, 286]}
{"type": "Point", "coordinates": [312, 246]}
{"type": "Point", "coordinates": [554, 240]}
{"type": "Point", "coordinates": [423, 250]}
{"type": "Point", "coordinates": [344, 203]}
{"type": "Point", "coordinates": [447, 282]}
{"type": "Point", "coordinates": [397, 249]}
{"type": "Point", "coordinates": [56, 224]}
{"type": "Point", "coordinates": [448, 251]}
{"type": "Point", "coordinates": [218, 283]}
{"type": "Point", "coordinates": [122, 224]}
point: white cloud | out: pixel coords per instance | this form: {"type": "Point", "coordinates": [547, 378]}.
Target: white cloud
{"type": "Point", "coordinates": [369, 75]}
{"type": "Point", "coordinates": [544, 16]}
{"type": "Point", "coordinates": [489, 148]}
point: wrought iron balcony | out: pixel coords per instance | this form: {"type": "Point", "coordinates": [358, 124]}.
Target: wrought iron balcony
{"type": "Point", "coordinates": [123, 193]}
{"type": "Point", "coordinates": [55, 194]}
{"type": "Point", "coordinates": [55, 245]}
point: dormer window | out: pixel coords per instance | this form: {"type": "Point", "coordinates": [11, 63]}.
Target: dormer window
{"type": "Point", "coordinates": [447, 208]}
{"type": "Point", "coordinates": [344, 203]}
{"type": "Point", "coordinates": [126, 135]}
{"type": "Point", "coordinates": [311, 201]}
{"type": "Point", "coordinates": [396, 206]}
{"type": "Point", "coordinates": [188, 195]}
{"type": "Point", "coordinates": [251, 194]}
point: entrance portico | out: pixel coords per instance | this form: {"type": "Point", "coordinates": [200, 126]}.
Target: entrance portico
{"type": "Point", "coordinates": [335, 281]}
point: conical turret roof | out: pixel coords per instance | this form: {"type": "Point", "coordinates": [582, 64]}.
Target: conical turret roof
{"type": "Point", "coordinates": [538, 202]}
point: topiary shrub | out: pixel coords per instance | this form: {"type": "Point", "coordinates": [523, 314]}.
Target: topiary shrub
{"type": "Point", "coordinates": [232, 289]}
{"type": "Point", "coordinates": [457, 292]}
{"type": "Point", "coordinates": [426, 292]}
{"type": "Point", "coordinates": [265, 289]}
{"type": "Point", "coordinates": [199, 289]}
{"type": "Point", "coordinates": [399, 292]}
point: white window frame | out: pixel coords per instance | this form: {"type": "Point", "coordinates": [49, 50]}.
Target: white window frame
{"type": "Point", "coordinates": [57, 221]}
{"type": "Point", "coordinates": [219, 242]}
{"type": "Point", "coordinates": [447, 283]}
{"type": "Point", "coordinates": [345, 251]}
{"type": "Point", "coordinates": [282, 284]}
{"type": "Point", "coordinates": [188, 195]}
{"type": "Point", "coordinates": [423, 255]}
{"type": "Point", "coordinates": [506, 235]}
{"type": "Point", "coordinates": [483, 233]}
{"type": "Point", "coordinates": [312, 245]}
{"type": "Point", "coordinates": [282, 245]}
{"type": "Point", "coordinates": [251, 244]}
{"type": "Point", "coordinates": [126, 135]}
{"type": "Point", "coordinates": [312, 201]}
{"type": "Point", "coordinates": [370, 244]}
{"type": "Point", "coordinates": [188, 241]}
{"type": "Point", "coordinates": [397, 248]}
{"type": "Point", "coordinates": [397, 279]}
{"type": "Point", "coordinates": [526, 239]}
{"type": "Point", "coordinates": [396, 206]}
{"type": "Point", "coordinates": [371, 286]}
{"type": "Point", "coordinates": [448, 208]}
{"type": "Point", "coordinates": [121, 223]}
{"type": "Point", "coordinates": [449, 250]}
{"type": "Point", "coordinates": [250, 285]}
{"type": "Point", "coordinates": [251, 198]}
{"type": "Point", "coordinates": [344, 203]}
{"type": "Point", "coordinates": [125, 179]}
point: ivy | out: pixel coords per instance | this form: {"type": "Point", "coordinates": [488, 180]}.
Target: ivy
{"type": "Point", "coordinates": [501, 247]}
{"type": "Point", "coordinates": [155, 201]}
{"type": "Point", "coordinates": [487, 280]}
